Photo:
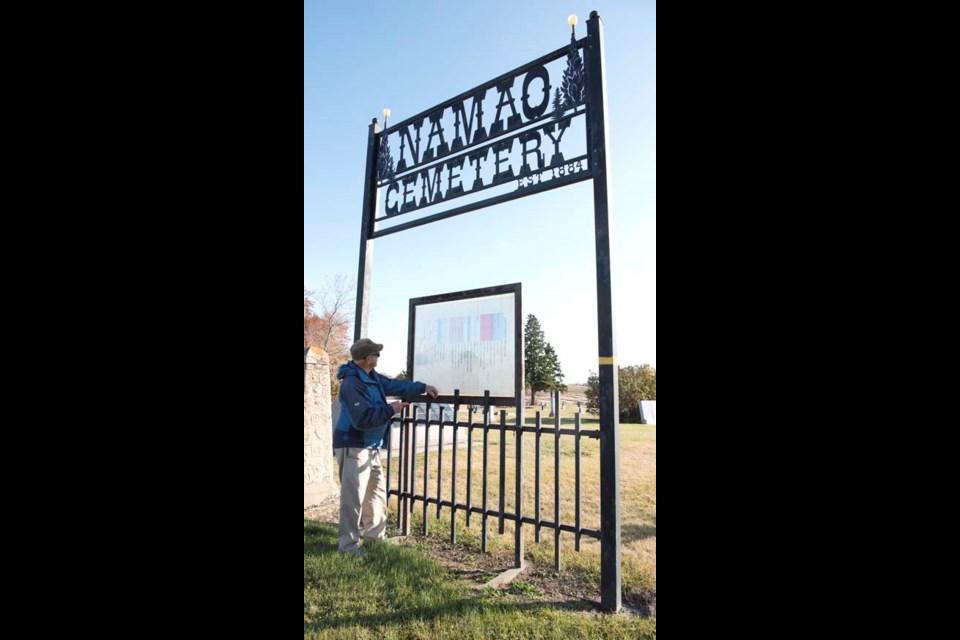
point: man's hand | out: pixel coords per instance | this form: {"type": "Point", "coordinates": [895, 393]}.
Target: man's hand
{"type": "Point", "coordinates": [432, 391]}
{"type": "Point", "coordinates": [398, 406]}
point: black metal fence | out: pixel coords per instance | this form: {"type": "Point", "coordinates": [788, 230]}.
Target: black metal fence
{"type": "Point", "coordinates": [402, 486]}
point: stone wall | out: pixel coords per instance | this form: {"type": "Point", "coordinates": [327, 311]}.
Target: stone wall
{"type": "Point", "coordinates": [318, 463]}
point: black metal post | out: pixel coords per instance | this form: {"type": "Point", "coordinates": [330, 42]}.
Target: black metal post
{"type": "Point", "coordinates": [536, 486]}
{"type": "Point", "coordinates": [469, 464]}
{"type": "Point", "coordinates": [518, 546]}
{"type": "Point", "coordinates": [413, 462]}
{"type": "Point", "coordinates": [407, 467]}
{"type": "Point", "coordinates": [440, 464]}
{"type": "Point", "coordinates": [503, 467]}
{"type": "Point", "coordinates": [371, 201]}
{"type": "Point", "coordinates": [400, 475]}
{"type": "Point", "coordinates": [453, 479]}
{"type": "Point", "coordinates": [556, 481]}
{"type": "Point", "coordinates": [426, 473]}
{"type": "Point", "coordinates": [578, 478]}
{"type": "Point", "coordinates": [389, 444]}
{"type": "Point", "coordinates": [610, 553]}
{"type": "Point", "coordinates": [486, 457]}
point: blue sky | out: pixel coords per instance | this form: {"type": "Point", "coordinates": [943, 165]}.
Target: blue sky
{"type": "Point", "coordinates": [364, 55]}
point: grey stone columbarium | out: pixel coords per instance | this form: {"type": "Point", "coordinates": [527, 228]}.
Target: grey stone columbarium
{"type": "Point", "coordinates": [318, 461]}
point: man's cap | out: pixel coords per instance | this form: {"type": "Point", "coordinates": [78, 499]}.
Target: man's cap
{"type": "Point", "coordinates": [364, 347]}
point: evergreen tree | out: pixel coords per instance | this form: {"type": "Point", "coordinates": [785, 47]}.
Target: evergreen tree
{"type": "Point", "coordinates": [385, 170]}
{"type": "Point", "coordinates": [533, 348]}
{"type": "Point", "coordinates": [554, 372]}
{"type": "Point", "coordinates": [574, 81]}
{"type": "Point", "coordinates": [542, 371]}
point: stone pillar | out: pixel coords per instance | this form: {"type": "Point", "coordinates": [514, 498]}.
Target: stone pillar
{"type": "Point", "coordinates": [318, 461]}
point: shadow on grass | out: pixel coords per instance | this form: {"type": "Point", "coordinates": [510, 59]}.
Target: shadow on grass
{"type": "Point", "coordinates": [322, 540]}
{"type": "Point", "coordinates": [429, 614]}
{"type": "Point", "coordinates": [637, 531]}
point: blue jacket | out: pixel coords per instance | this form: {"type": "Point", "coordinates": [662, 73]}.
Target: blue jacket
{"type": "Point", "coordinates": [364, 412]}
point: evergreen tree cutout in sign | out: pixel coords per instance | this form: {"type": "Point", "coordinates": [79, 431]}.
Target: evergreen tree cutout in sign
{"type": "Point", "coordinates": [557, 105]}
{"type": "Point", "coordinates": [385, 169]}
{"type": "Point", "coordinates": [574, 82]}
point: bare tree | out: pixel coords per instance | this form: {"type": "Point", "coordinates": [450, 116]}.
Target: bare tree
{"type": "Point", "coordinates": [327, 320]}
{"type": "Point", "coordinates": [336, 301]}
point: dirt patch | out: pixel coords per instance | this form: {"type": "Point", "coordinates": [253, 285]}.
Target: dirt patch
{"type": "Point", "coordinates": [327, 512]}
{"type": "Point", "coordinates": [466, 564]}
{"type": "Point", "coordinates": [644, 603]}
{"type": "Point", "coordinates": [565, 590]}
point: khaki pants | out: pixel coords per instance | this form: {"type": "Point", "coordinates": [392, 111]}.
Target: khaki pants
{"type": "Point", "coordinates": [363, 497]}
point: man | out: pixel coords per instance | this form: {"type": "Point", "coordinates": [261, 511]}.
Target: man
{"type": "Point", "coordinates": [360, 434]}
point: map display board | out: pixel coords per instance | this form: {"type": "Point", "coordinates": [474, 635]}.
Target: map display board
{"type": "Point", "coordinates": [469, 340]}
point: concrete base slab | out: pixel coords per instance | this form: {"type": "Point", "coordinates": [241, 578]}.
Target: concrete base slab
{"type": "Point", "coordinates": [504, 578]}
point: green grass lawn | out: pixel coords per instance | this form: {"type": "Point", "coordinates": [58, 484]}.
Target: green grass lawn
{"type": "Point", "coordinates": [400, 592]}
{"type": "Point", "coordinates": [396, 592]}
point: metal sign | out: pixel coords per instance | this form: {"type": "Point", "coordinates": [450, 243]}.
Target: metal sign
{"type": "Point", "coordinates": [538, 127]}
{"type": "Point", "coordinates": [516, 135]}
